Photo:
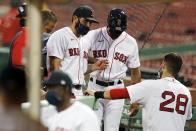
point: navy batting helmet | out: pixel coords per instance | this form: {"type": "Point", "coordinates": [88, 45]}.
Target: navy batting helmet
{"type": "Point", "coordinates": [117, 20]}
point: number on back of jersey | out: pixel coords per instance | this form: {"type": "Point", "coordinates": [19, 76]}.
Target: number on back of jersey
{"type": "Point", "coordinates": [180, 105]}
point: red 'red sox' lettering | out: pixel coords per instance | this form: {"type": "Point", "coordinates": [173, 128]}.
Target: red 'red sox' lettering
{"type": "Point", "coordinates": [121, 57]}
{"type": "Point", "coordinates": [100, 53]}
{"type": "Point", "coordinates": [85, 55]}
{"type": "Point", "coordinates": [74, 51]}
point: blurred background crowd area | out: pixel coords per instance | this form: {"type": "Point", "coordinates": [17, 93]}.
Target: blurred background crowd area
{"type": "Point", "coordinates": [158, 27]}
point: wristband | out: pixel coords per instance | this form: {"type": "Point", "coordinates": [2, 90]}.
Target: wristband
{"type": "Point", "coordinates": [99, 94]}
{"type": "Point", "coordinates": [119, 93]}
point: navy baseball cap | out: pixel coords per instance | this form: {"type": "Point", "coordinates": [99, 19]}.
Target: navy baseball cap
{"type": "Point", "coordinates": [59, 78]}
{"type": "Point", "coordinates": [13, 79]}
{"type": "Point", "coordinates": [22, 11]}
{"type": "Point", "coordinates": [85, 12]}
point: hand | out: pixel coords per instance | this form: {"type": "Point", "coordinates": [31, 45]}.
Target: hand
{"type": "Point", "coordinates": [100, 65]}
{"type": "Point", "coordinates": [133, 110]}
{"type": "Point", "coordinates": [42, 94]}
{"type": "Point", "coordinates": [89, 92]}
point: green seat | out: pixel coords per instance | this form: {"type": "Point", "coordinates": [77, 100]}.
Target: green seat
{"type": "Point", "coordinates": [194, 113]}
{"type": "Point", "coordinates": [190, 124]}
{"type": "Point", "coordinates": [131, 122]}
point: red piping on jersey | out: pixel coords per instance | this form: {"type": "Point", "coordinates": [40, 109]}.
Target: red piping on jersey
{"type": "Point", "coordinates": [96, 41]}
{"type": "Point", "coordinates": [119, 93]}
{"type": "Point", "coordinates": [79, 63]}
{"type": "Point", "coordinates": [79, 55]}
{"type": "Point", "coordinates": [108, 48]}
{"type": "Point", "coordinates": [113, 55]}
{"type": "Point", "coordinates": [79, 71]}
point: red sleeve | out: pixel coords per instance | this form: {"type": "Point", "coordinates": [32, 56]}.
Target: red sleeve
{"type": "Point", "coordinates": [17, 53]}
{"type": "Point", "coordinates": [119, 93]}
{"type": "Point", "coordinates": [17, 50]}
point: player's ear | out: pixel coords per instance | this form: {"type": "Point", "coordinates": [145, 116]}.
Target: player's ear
{"type": "Point", "coordinates": [164, 65]}
{"type": "Point", "coordinates": [74, 19]}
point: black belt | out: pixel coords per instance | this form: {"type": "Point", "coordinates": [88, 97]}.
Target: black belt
{"type": "Point", "coordinates": [78, 87]}
{"type": "Point", "coordinates": [103, 83]}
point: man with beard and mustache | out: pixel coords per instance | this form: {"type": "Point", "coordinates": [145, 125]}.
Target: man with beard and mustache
{"type": "Point", "coordinates": [66, 52]}
{"type": "Point", "coordinates": [167, 103]}
{"type": "Point", "coordinates": [121, 50]}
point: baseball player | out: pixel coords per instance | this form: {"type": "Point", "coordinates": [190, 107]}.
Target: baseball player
{"type": "Point", "coordinates": [49, 21]}
{"type": "Point", "coordinates": [13, 92]}
{"type": "Point", "coordinates": [65, 51]}
{"type": "Point", "coordinates": [71, 116]}
{"type": "Point", "coordinates": [166, 102]}
{"type": "Point", "coordinates": [121, 50]}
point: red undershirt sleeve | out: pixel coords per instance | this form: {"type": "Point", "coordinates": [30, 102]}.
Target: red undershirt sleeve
{"type": "Point", "coordinates": [119, 93]}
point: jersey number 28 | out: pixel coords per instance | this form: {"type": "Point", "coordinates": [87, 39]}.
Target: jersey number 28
{"type": "Point", "coordinates": [181, 102]}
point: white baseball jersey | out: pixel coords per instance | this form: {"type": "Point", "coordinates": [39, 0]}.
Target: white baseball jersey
{"type": "Point", "coordinates": [64, 45]}
{"type": "Point", "coordinates": [121, 53]}
{"type": "Point", "coordinates": [167, 104]}
{"type": "Point", "coordinates": [78, 117]}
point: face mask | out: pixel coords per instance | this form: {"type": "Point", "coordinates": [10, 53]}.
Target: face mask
{"type": "Point", "coordinates": [22, 22]}
{"type": "Point", "coordinates": [81, 29]}
{"type": "Point", "coordinates": [115, 33]}
{"type": "Point", "coordinates": [53, 99]}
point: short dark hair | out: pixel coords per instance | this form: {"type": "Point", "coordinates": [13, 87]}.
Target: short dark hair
{"type": "Point", "coordinates": [174, 63]}
{"type": "Point", "coordinates": [13, 84]}
{"type": "Point", "coordinates": [48, 16]}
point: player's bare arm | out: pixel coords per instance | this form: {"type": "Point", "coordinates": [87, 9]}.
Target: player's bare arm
{"type": "Point", "coordinates": [99, 65]}
{"type": "Point", "coordinates": [54, 63]}
{"type": "Point", "coordinates": [92, 60]}
{"type": "Point", "coordinates": [135, 77]}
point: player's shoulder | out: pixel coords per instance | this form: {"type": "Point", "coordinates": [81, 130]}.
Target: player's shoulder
{"type": "Point", "coordinates": [149, 82]}
{"type": "Point", "coordinates": [60, 32]}
{"type": "Point", "coordinates": [184, 88]}
{"type": "Point", "coordinates": [84, 109]}
{"type": "Point", "coordinates": [82, 106]}
{"type": "Point", "coordinates": [59, 35]}
{"type": "Point", "coordinates": [91, 35]}
{"type": "Point", "coordinates": [94, 33]}
{"type": "Point", "coordinates": [145, 83]}
{"type": "Point", "coordinates": [178, 85]}
{"type": "Point", "coordinates": [130, 39]}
